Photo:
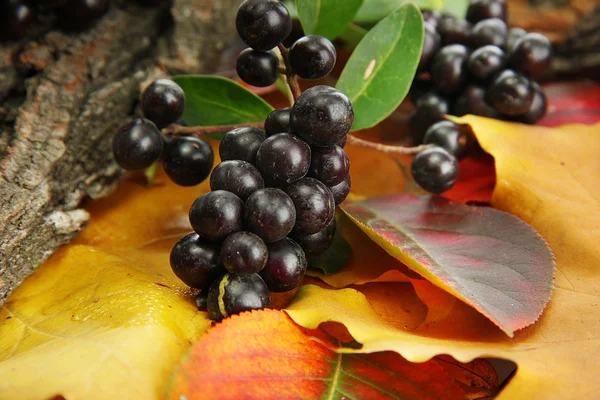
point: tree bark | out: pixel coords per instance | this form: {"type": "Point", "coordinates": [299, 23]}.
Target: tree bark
{"type": "Point", "coordinates": [63, 97]}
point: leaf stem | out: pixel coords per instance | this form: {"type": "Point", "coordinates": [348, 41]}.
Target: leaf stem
{"type": "Point", "coordinates": [203, 130]}
{"type": "Point", "coordinates": [291, 78]}
{"type": "Point", "coordinates": [386, 148]}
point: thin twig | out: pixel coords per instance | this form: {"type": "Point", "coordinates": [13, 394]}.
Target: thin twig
{"type": "Point", "coordinates": [203, 130]}
{"type": "Point", "coordinates": [386, 148]}
{"type": "Point", "coordinates": [292, 79]}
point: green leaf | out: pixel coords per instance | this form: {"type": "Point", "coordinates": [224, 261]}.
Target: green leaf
{"type": "Point", "coordinates": [334, 259]}
{"type": "Point", "coordinates": [353, 35]}
{"type": "Point", "coordinates": [380, 72]}
{"type": "Point", "coordinates": [213, 100]}
{"type": "Point", "coordinates": [457, 7]}
{"type": "Point", "coordinates": [375, 10]}
{"type": "Point", "coordinates": [327, 18]}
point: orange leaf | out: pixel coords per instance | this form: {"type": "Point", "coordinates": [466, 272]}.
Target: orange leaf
{"type": "Point", "coordinates": [264, 355]}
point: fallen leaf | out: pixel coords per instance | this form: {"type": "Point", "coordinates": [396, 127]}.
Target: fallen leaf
{"type": "Point", "coordinates": [264, 355]}
{"type": "Point", "coordinates": [572, 102]}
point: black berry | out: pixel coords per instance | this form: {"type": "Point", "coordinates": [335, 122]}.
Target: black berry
{"type": "Point", "coordinates": [419, 88]}
{"type": "Point", "coordinates": [233, 294]}
{"type": "Point", "coordinates": [472, 100]}
{"type": "Point", "coordinates": [531, 55]}
{"type": "Point", "coordinates": [431, 44]}
{"type": "Point", "coordinates": [283, 159]}
{"type": "Point", "coordinates": [314, 204]}
{"type": "Point", "coordinates": [188, 160]}
{"type": "Point", "coordinates": [448, 68]}
{"type": "Point", "coordinates": [77, 15]}
{"type": "Point", "coordinates": [216, 215]}
{"type": "Point", "coordinates": [431, 108]}
{"type": "Point", "coordinates": [513, 35]}
{"type": "Point", "coordinates": [16, 17]}
{"type": "Point", "coordinates": [329, 165]}
{"type": "Point", "coordinates": [312, 57]}
{"type": "Point", "coordinates": [238, 177]}
{"type": "Point", "coordinates": [485, 9]}
{"type": "Point", "coordinates": [435, 170]}
{"type": "Point", "coordinates": [257, 68]}
{"type": "Point", "coordinates": [450, 136]}
{"type": "Point", "coordinates": [244, 253]}
{"type": "Point", "coordinates": [341, 190]}
{"type": "Point", "coordinates": [453, 31]}
{"type": "Point", "coordinates": [278, 122]}
{"type": "Point", "coordinates": [285, 267]}
{"type": "Point", "coordinates": [318, 243]}
{"type": "Point", "coordinates": [537, 109]}
{"type": "Point", "coordinates": [158, 3]}
{"type": "Point", "coordinates": [202, 300]}
{"type": "Point", "coordinates": [486, 62]}
{"type": "Point", "coordinates": [270, 213]}
{"type": "Point", "coordinates": [195, 261]}
{"type": "Point", "coordinates": [322, 116]}
{"type": "Point", "coordinates": [163, 102]}
{"type": "Point", "coordinates": [263, 24]}
{"type": "Point", "coordinates": [489, 31]}
{"type": "Point", "coordinates": [432, 17]}
{"type": "Point", "coordinates": [137, 145]}
{"type": "Point", "coordinates": [510, 93]}
{"type": "Point", "coordinates": [241, 144]}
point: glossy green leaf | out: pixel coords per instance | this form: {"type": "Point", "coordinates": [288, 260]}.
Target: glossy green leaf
{"type": "Point", "coordinates": [213, 100]}
{"type": "Point", "coordinates": [353, 35]}
{"type": "Point", "coordinates": [457, 7]}
{"type": "Point", "coordinates": [327, 18]}
{"type": "Point", "coordinates": [334, 259]}
{"type": "Point", "coordinates": [375, 10]}
{"type": "Point", "coordinates": [380, 72]}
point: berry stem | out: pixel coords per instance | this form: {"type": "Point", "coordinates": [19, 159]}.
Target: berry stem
{"type": "Point", "coordinates": [200, 131]}
{"type": "Point", "coordinates": [385, 148]}
{"type": "Point", "coordinates": [291, 78]}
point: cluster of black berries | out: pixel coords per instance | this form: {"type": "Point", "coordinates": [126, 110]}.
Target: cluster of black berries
{"type": "Point", "coordinates": [274, 194]}
{"type": "Point", "coordinates": [475, 66]}
{"type": "Point", "coordinates": [17, 17]}
{"type": "Point", "coordinates": [187, 160]}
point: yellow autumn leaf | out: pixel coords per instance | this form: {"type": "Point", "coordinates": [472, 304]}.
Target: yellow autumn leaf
{"type": "Point", "coordinates": [549, 178]}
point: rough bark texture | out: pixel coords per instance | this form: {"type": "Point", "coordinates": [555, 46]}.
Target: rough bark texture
{"type": "Point", "coordinates": [63, 97]}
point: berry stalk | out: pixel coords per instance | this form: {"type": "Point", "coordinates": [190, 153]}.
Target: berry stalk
{"type": "Point", "coordinates": [200, 131]}
{"type": "Point", "coordinates": [386, 148]}
{"type": "Point", "coordinates": [291, 78]}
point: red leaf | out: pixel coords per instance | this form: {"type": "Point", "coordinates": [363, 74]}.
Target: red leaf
{"type": "Point", "coordinates": [490, 259]}
{"type": "Point", "coordinates": [476, 180]}
{"type": "Point", "coordinates": [265, 355]}
{"type": "Point", "coordinates": [572, 102]}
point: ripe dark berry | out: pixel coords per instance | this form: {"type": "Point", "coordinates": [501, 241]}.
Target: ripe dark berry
{"type": "Point", "coordinates": [233, 294]}
{"type": "Point", "coordinates": [241, 144]}
{"type": "Point", "coordinates": [513, 35]}
{"type": "Point", "coordinates": [137, 145]}
{"type": "Point", "coordinates": [435, 170]}
{"type": "Point", "coordinates": [16, 17]}
{"type": "Point", "coordinates": [238, 177]}
{"type": "Point", "coordinates": [314, 204]}
{"type": "Point", "coordinates": [163, 102]}
{"type": "Point", "coordinates": [278, 121]}
{"type": "Point", "coordinates": [257, 68]}
{"type": "Point", "coordinates": [485, 9]}
{"type": "Point", "coordinates": [431, 108]}
{"type": "Point", "coordinates": [341, 190]}
{"type": "Point", "coordinates": [486, 62]}
{"type": "Point", "coordinates": [432, 17]}
{"type": "Point", "coordinates": [531, 55]}
{"type": "Point", "coordinates": [158, 3]}
{"type": "Point", "coordinates": [312, 57]}
{"type": "Point", "coordinates": [263, 24]}
{"type": "Point", "coordinates": [188, 160]}
{"type": "Point", "coordinates": [322, 116]}
{"type": "Point", "coordinates": [448, 68]}
{"type": "Point", "coordinates": [420, 87]}
{"type": "Point", "coordinates": [450, 136]}
{"type": "Point", "coordinates": [270, 213]}
{"type": "Point", "coordinates": [510, 93]}
{"type": "Point", "coordinates": [489, 31]}
{"type": "Point", "coordinates": [431, 44]}
{"type": "Point", "coordinates": [195, 261]}
{"type": "Point", "coordinates": [329, 165]}
{"type": "Point", "coordinates": [202, 300]}
{"type": "Point", "coordinates": [216, 215]}
{"type": "Point", "coordinates": [283, 159]}
{"type": "Point", "coordinates": [453, 31]}
{"type": "Point", "coordinates": [244, 253]}
{"type": "Point", "coordinates": [537, 109]}
{"type": "Point", "coordinates": [286, 266]}
{"type": "Point", "coordinates": [77, 15]}
{"type": "Point", "coordinates": [318, 243]}
{"type": "Point", "coordinates": [472, 100]}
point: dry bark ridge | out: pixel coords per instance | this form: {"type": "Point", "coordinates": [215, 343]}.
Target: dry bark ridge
{"type": "Point", "coordinates": [64, 96]}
